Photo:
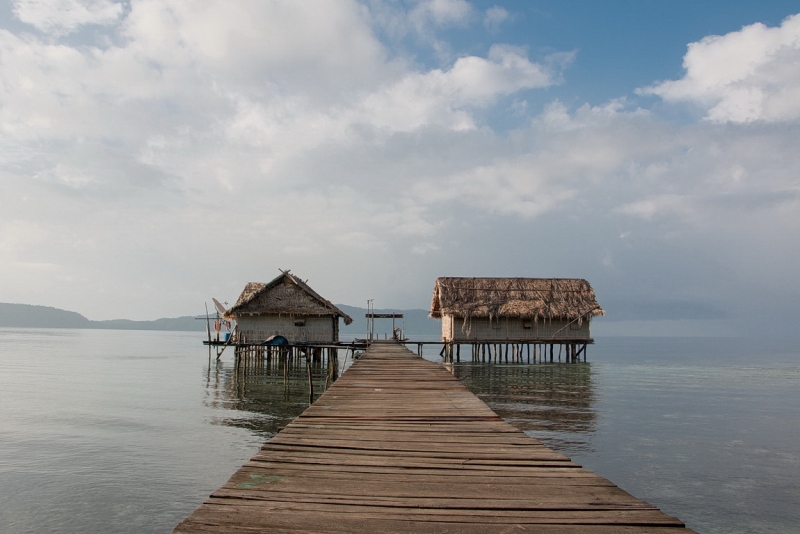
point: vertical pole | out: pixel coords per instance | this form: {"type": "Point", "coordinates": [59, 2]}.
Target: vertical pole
{"type": "Point", "coordinates": [335, 364]}
{"type": "Point", "coordinates": [310, 381]}
{"type": "Point", "coordinates": [285, 358]}
{"type": "Point", "coordinates": [208, 326]}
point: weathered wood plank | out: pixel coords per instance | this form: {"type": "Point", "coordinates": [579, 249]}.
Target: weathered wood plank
{"type": "Point", "coordinates": [543, 475]}
{"type": "Point", "coordinates": [428, 495]}
{"type": "Point", "coordinates": [624, 516]}
{"type": "Point", "coordinates": [351, 459]}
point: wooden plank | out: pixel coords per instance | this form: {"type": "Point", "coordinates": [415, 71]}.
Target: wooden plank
{"type": "Point", "coordinates": [651, 516]}
{"type": "Point", "coordinates": [256, 485]}
{"type": "Point", "coordinates": [398, 444]}
{"type": "Point", "coordinates": [557, 502]}
{"type": "Point", "coordinates": [533, 452]}
{"type": "Point", "coordinates": [349, 459]}
{"type": "Point", "coordinates": [408, 436]}
{"type": "Point", "coordinates": [544, 476]}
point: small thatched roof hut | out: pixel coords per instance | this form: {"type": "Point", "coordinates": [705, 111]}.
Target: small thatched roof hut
{"type": "Point", "coordinates": [479, 309]}
{"type": "Point", "coordinates": [285, 295]}
{"type": "Point", "coordinates": [285, 307]}
{"type": "Point", "coordinates": [525, 298]}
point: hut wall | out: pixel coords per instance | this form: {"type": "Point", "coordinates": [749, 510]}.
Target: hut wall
{"type": "Point", "coordinates": [315, 329]}
{"type": "Point", "coordinates": [512, 328]}
{"type": "Point", "coordinates": [447, 328]}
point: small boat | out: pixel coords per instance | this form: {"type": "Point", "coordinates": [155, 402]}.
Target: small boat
{"type": "Point", "coordinates": [275, 341]}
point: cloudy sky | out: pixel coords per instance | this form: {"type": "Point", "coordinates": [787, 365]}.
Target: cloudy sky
{"type": "Point", "coordinates": [156, 153]}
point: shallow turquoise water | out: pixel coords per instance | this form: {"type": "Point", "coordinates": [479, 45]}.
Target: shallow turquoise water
{"type": "Point", "coordinates": [128, 431]}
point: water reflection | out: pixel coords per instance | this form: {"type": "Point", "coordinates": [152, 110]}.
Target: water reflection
{"type": "Point", "coordinates": [553, 403]}
{"type": "Point", "coordinates": [263, 398]}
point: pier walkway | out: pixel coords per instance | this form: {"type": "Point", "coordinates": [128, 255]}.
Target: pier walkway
{"type": "Point", "coordinates": [398, 444]}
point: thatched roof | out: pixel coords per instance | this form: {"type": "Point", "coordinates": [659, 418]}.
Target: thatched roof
{"type": "Point", "coordinates": [285, 295]}
{"type": "Point", "coordinates": [527, 298]}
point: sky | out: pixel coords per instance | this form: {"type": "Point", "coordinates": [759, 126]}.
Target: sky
{"type": "Point", "coordinates": [155, 154]}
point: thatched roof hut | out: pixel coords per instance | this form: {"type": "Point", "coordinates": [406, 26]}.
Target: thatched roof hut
{"type": "Point", "coordinates": [285, 295]}
{"type": "Point", "coordinates": [536, 299]}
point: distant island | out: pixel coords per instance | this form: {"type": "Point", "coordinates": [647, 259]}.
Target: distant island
{"type": "Point", "coordinates": [415, 322]}
{"type": "Point", "coordinates": [29, 316]}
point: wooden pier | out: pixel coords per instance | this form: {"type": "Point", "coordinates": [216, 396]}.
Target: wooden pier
{"type": "Point", "coordinates": [398, 444]}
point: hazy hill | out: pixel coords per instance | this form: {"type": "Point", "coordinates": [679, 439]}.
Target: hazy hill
{"type": "Point", "coordinates": [25, 315]}
{"type": "Point", "coordinates": [415, 322]}
{"type": "Point", "coordinates": [28, 316]}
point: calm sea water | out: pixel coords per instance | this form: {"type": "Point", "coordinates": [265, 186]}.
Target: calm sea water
{"type": "Point", "coordinates": [129, 431]}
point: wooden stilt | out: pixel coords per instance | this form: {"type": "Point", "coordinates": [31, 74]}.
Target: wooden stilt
{"type": "Point", "coordinates": [310, 380]}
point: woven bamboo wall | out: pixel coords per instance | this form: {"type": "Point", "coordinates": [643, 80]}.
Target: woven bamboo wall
{"type": "Point", "coordinates": [512, 328]}
{"type": "Point", "coordinates": [315, 329]}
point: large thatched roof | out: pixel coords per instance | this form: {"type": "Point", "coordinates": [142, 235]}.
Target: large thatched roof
{"type": "Point", "coordinates": [285, 295]}
{"type": "Point", "coordinates": [529, 298]}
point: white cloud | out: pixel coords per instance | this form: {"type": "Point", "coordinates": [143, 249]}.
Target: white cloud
{"type": "Point", "coordinates": [442, 96]}
{"type": "Point", "coordinates": [189, 75]}
{"type": "Point", "coordinates": [440, 13]}
{"type": "Point", "coordinates": [649, 207]}
{"type": "Point", "coordinates": [422, 21]}
{"type": "Point", "coordinates": [494, 17]}
{"type": "Point", "coordinates": [514, 187]}
{"type": "Point", "coordinates": [744, 76]}
{"type": "Point", "coordinates": [424, 248]}
{"type": "Point", "coordinates": [61, 17]}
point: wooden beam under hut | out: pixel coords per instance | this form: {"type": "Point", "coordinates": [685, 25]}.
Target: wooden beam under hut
{"type": "Point", "coordinates": [254, 357]}
{"type": "Point", "coordinates": [514, 351]}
